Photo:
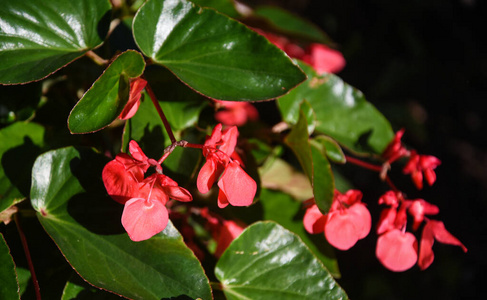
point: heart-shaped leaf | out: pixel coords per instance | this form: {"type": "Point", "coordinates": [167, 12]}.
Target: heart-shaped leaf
{"type": "Point", "coordinates": [39, 37]}
{"type": "Point", "coordinates": [215, 55]}
{"type": "Point", "coordinates": [269, 262]}
{"type": "Point", "coordinates": [341, 112]}
{"type": "Point", "coordinates": [105, 100]}
{"type": "Point", "coordinates": [8, 277]}
{"type": "Point", "coordinates": [20, 144]}
{"type": "Point", "coordinates": [314, 163]}
{"type": "Point", "coordinates": [72, 206]}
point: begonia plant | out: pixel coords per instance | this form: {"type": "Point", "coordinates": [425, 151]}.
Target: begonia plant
{"type": "Point", "coordinates": [178, 149]}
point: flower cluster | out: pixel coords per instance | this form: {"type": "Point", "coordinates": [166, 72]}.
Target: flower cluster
{"type": "Point", "coordinates": [321, 57]}
{"type": "Point", "coordinates": [397, 249]}
{"type": "Point", "coordinates": [144, 198]}
{"type": "Point", "coordinates": [347, 221]}
{"type": "Point", "coordinates": [223, 164]}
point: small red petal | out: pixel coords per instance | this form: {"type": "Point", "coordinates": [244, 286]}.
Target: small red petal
{"type": "Point", "coordinates": [314, 220]}
{"type": "Point", "coordinates": [228, 232]}
{"type": "Point", "coordinates": [120, 184]}
{"type": "Point", "coordinates": [341, 231]}
{"type": "Point", "coordinates": [229, 139]}
{"type": "Point", "coordinates": [362, 219]}
{"type": "Point", "coordinates": [137, 152]}
{"type": "Point", "coordinates": [238, 187]}
{"type": "Point", "coordinates": [207, 175]}
{"type": "Point", "coordinates": [178, 193]}
{"type": "Point", "coordinates": [386, 220]}
{"type": "Point", "coordinates": [143, 219]}
{"type": "Point", "coordinates": [396, 250]}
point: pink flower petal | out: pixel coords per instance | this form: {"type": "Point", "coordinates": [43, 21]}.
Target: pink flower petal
{"type": "Point", "coordinates": [340, 230]}
{"type": "Point", "coordinates": [178, 193]}
{"type": "Point", "coordinates": [362, 219]}
{"type": "Point", "coordinates": [314, 221]}
{"type": "Point", "coordinates": [228, 232]}
{"type": "Point", "coordinates": [238, 187]}
{"type": "Point", "coordinates": [396, 250]}
{"type": "Point", "coordinates": [207, 175]}
{"type": "Point", "coordinates": [143, 219]}
{"type": "Point", "coordinates": [120, 184]}
{"type": "Point", "coordinates": [229, 139]}
{"type": "Point", "coordinates": [386, 220]}
{"type": "Point", "coordinates": [136, 87]}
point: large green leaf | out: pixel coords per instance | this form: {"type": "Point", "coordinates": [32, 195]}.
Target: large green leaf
{"type": "Point", "coordinates": [315, 165]}
{"type": "Point", "coordinates": [226, 7]}
{"type": "Point", "coordinates": [291, 24]}
{"type": "Point", "coordinates": [20, 144]}
{"type": "Point", "coordinates": [215, 55]}
{"type": "Point", "coordinates": [287, 212]}
{"type": "Point", "coordinates": [9, 289]}
{"type": "Point", "coordinates": [72, 206]}
{"type": "Point", "coordinates": [269, 262]}
{"type": "Point", "coordinates": [105, 100]}
{"type": "Point", "coordinates": [341, 112]}
{"type": "Point", "coordinates": [39, 37]}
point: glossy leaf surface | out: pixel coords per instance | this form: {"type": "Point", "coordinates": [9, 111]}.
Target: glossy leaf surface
{"type": "Point", "coordinates": [71, 205]}
{"type": "Point", "coordinates": [8, 277]}
{"type": "Point", "coordinates": [269, 262]}
{"type": "Point", "coordinates": [341, 112]}
{"type": "Point", "coordinates": [314, 163]}
{"type": "Point", "coordinates": [213, 54]}
{"type": "Point", "coordinates": [226, 7]}
{"type": "Point", "coordinates": [39, 37]}
{"type": "Point", "coordinates": [105, 100]}
{"type": "Point", "coordinates": [291, 24]}
{"type": "Point", "coordinates": [333, 151]}
{"type": "Point", "coordinates": [20, 144]}
{"type": "Point", "coordinates": [287, 212]}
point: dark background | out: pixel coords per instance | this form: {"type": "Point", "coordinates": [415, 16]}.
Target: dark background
{"type": "Point", "coordinates": [423, 64]}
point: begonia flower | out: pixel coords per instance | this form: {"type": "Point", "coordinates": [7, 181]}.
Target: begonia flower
{"type": "Point", "coordinates": [236, 113]}
{"type": "Point", "coordinates": [397, 250]}
{"type": "Point", "coordinates": [144, 199]}
{"type": "Point", "coordinates": [395, 149]}
{"type": "Point", "coordinates": [347, 221]}
{"type": "Point", "coordinates": [136, 87]}
{"type": "Point", "coordinates": [228, 231]}
{"type": "Point", "coordinates": [434, 230]}
{"type": "Point", "coordinates": [419, 165]}
{"type": "Point", "coordinates": [236, 186]}
{"type": "Point", "coordinates": [324, 59]}
{"type": "Point", "coordinates": [419, 208]}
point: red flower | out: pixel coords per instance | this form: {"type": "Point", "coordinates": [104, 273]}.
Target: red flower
{"type": "Point", "coordinates": [144, 214]}
{"type": "Point", "coordinates": [347, 221]}
{"type": "Point", "coordinates": [434, 230]}
{"type": "Point", "coordinates": [324, 59]}
{"type": "Point", "coordinates": [236, 113]}
{"type": "Point", "coordinates": [397, 250]}
{"type": "Point", "coordinates": [419, 165]}
{"type": "Point", "coordinates": [136, 87]}
{"type": "Point", "coordinates": [395, 149]}
{"type": "Point", "coordinates": [236, 187]}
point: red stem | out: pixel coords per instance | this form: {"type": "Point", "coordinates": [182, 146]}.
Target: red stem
{"type": "Point", "coordinates": [364, 164]}
{"type": "Point", "coordinates": [161, 113]}
{"type": "Point", "coordinates": [27, 256]}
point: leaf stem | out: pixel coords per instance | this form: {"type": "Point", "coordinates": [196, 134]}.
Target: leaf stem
{"type": "Point", "coordinates": [161, 113]}
{"type": "Point", "coordinates": [363, 164]}
{"type": "Point", "coordinates": [97, 59]}
{"type": "Point", "coordinates": [27, 256]}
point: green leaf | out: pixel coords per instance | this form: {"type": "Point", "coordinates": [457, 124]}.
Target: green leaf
{"type": "Point", "coordinates": [291, 24]}
{"type": "Point", "coordinates": [333, 150]}
{"type": "Point", "coordinates": [72, 206]}
{"type": "Point", "coordinates": [8, 277]}
{"type": "Point", "coordinates": [20, 144]}
{"type": "Point", "coordinates": [213, 54]}
{"type": "Point", "coordinates": [226, 7]}
{"type": "Point", "coordinates": [341, 112]}
{"type": "Point", "coordinates": [269, 262]}
{"type": "Point", "coordinates": [314, 163]}
{"type": "Point", "coordinates": [105, 100]}
{"type": "Point", "coordinates": [39, 37]}
{"type": "Point", "coordinates": [78, 289]}
{"type": "Point", "coordinates": [283, 209]}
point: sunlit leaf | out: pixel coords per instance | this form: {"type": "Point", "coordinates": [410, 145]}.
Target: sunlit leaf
{"type": "Point", "coordinates": [39, 37]}
{"type": "Point", "coordinates": [72, 206]}
{"type": "Point", "coordinates": [341, 112]}
{"type": "Point", "coordinates": [215, 55]}
{"type": "Point", "coordinates": [269, 262]}
{"type": "Point", "coordinates": [105, 100]}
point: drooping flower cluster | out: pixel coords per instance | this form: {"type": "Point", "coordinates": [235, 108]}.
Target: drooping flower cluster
{"type": "Point", "coordinates": [347, 221]}
{"type": "Point", "coordinates": [321, 57]}
{"type": "Point", "coordinates": [144, 198]}
{"type": "Point", "coordinates": [222, 163]}
{"type": "Point", "coordinates": [397, 249]}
